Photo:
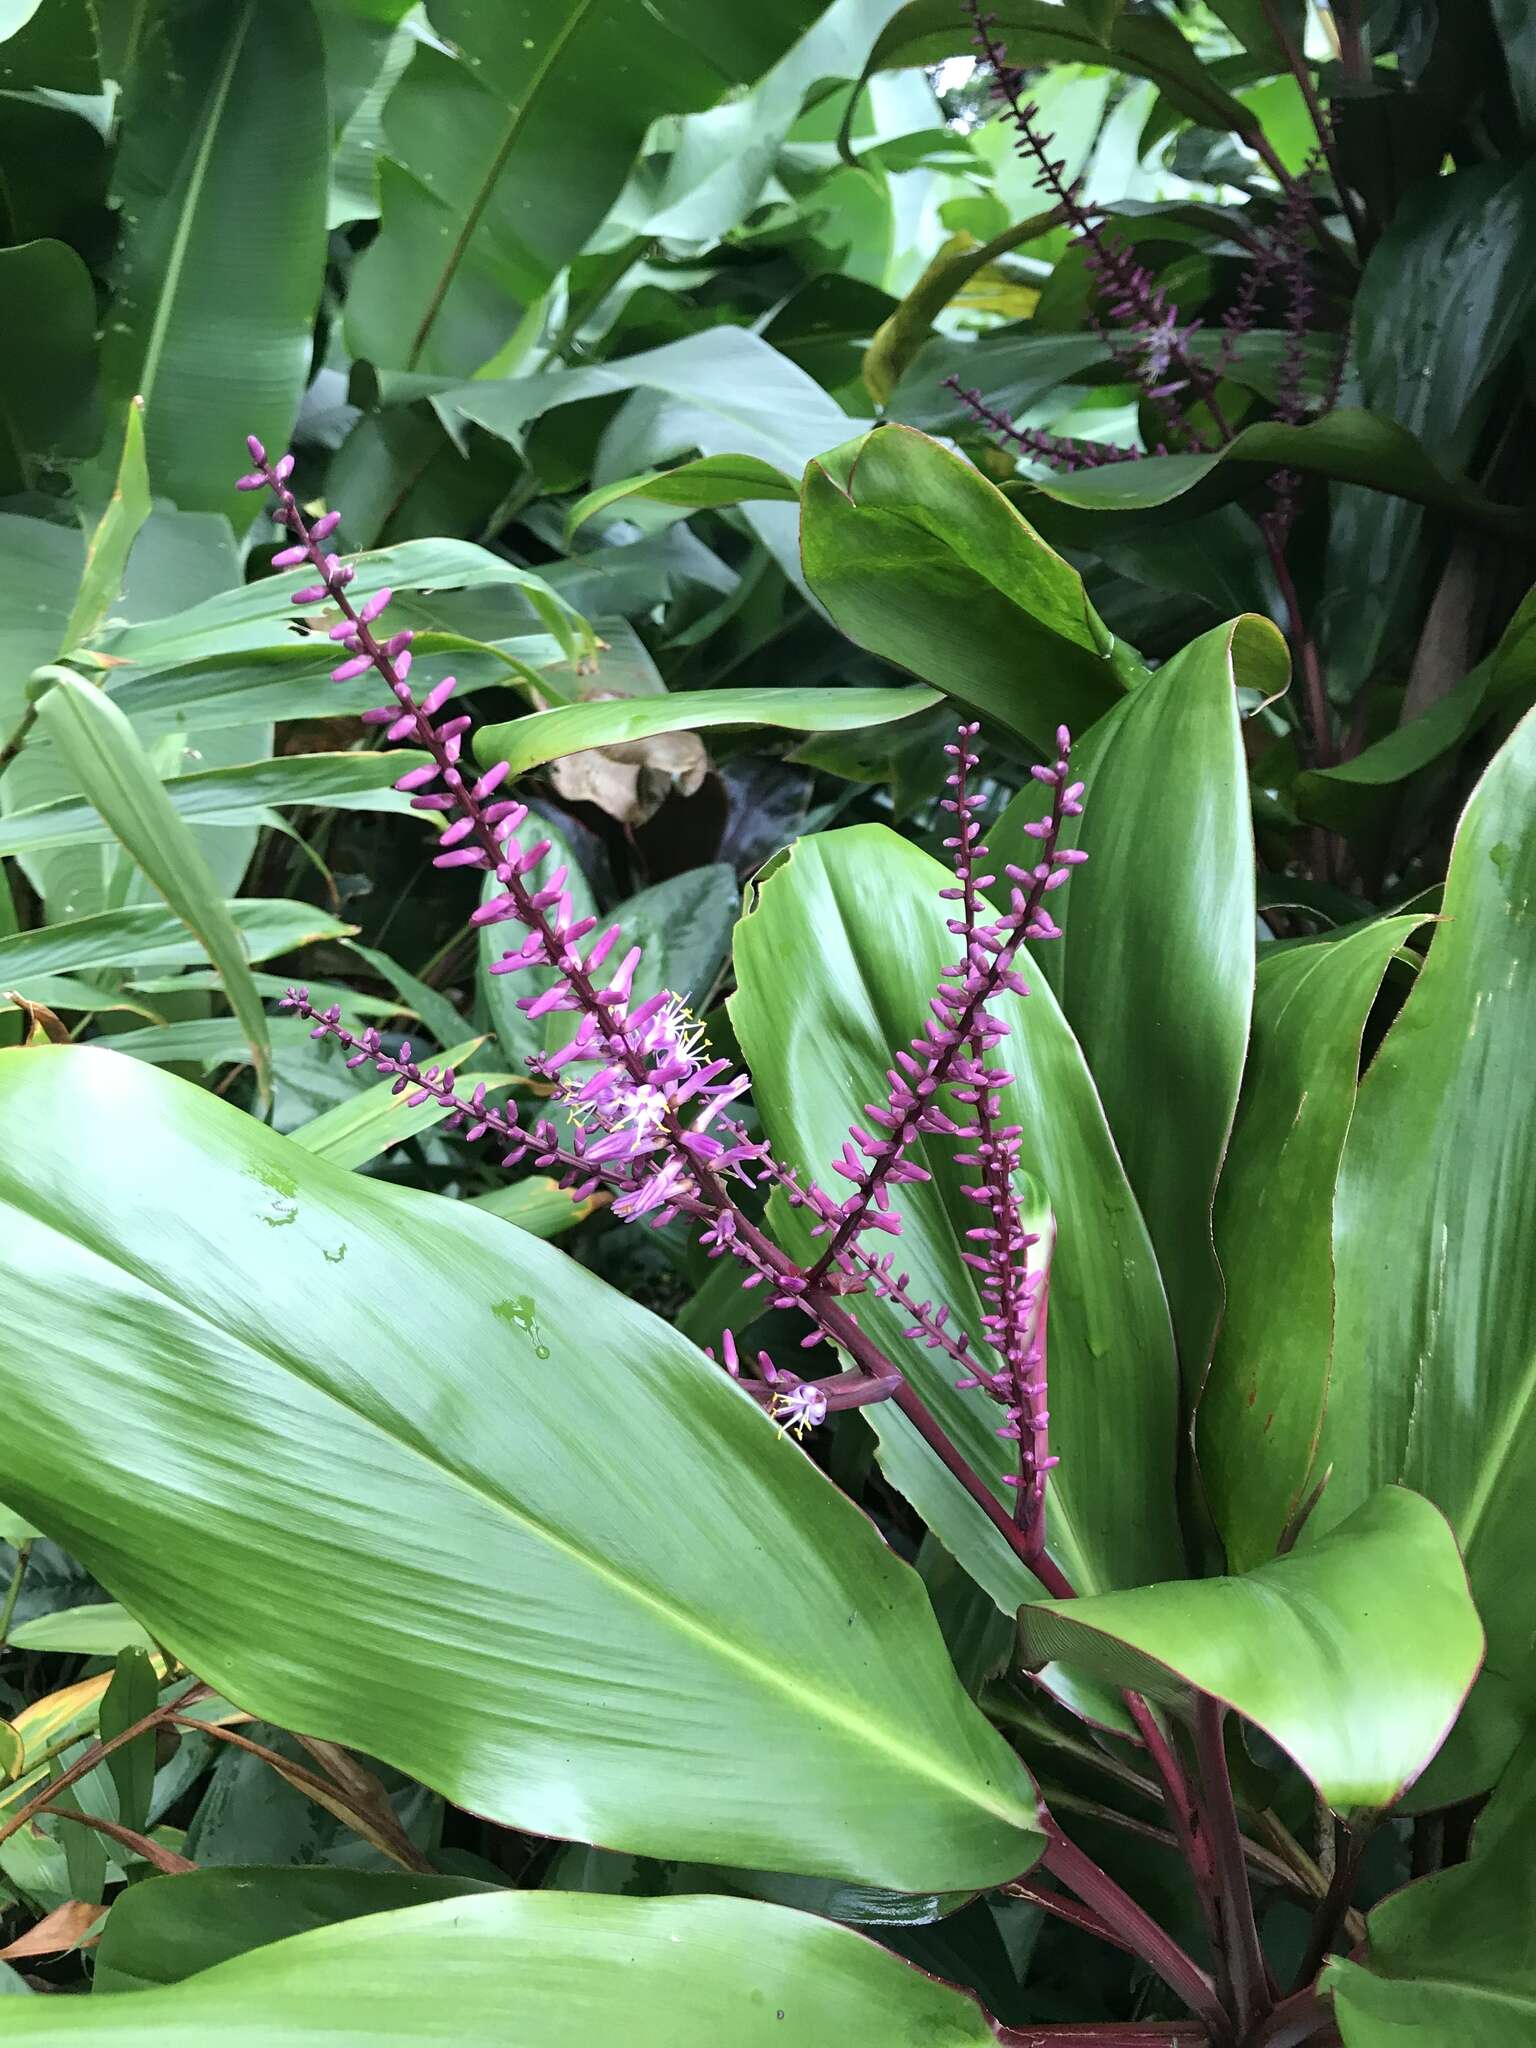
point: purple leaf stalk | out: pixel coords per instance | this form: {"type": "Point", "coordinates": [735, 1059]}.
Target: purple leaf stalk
{"type": "Point", "coordinates": [649, 1111]}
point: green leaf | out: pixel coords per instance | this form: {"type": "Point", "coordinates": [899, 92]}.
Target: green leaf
{"type": "Point", "coordinates": [106, 552]}
{"type": "Point", "coordinates": [725, 391]}
{"type": "Point", "coordinates": [217, 267]}
{"type": "Point", "coordinates": [1262, 1405]}
{"type": "Point", "coordinates": [859, 915]}
{"type": "Point", "coordinates": [48, 401]}
{"type": "Point", "coordinates": [1449, 1958]}
{"type": "Point", "coordinates": [483, 119]}
{"type": "Point", "coordinates": [1346, 446]}
{"type": "Point", "coordinates": [229, 796]}
{"type": "Point", "coordinates": [536, 1204]}
{"type": "Point", "coordinates": [1434, 1368]}
{"type": "Point", "coordinates": [917, 557]}
{"type": "Point", "coordinates": [1039, 32]}
{"type": "Point", "coordinates": [709, 481]}
{"type": "Point", "coordinates": [359, 1499]}
{"type": "Point", "coordinates": [1299, 1645]}
{"type": "Point", "coordinates": [261, 615]}
{"type": "Point", "coordinates": [546, 735]}
{"type": "Point", "coordinates": [99, 1631]}
{"type": "Point", "coordinates": [559, 1968]}
{"type": "Point", "coordinates": [1155, 971]}
{"type": "Point", "coordinates": [152, 937]}
{"type": "Point", "coordinates": [375, 1118]}
{"type": "Point", "coordinates": [132, 1694]}
{"type": "Point", "coordinates": [169, 1931]}
{"type": "Point", "coordinates": [108, 759]}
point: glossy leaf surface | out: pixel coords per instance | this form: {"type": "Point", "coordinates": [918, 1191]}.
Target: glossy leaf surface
{"type": "Point", "coordinates": [218, 267]}
{"type": "Point", "coordinates": [435, 1504]}
{"type": "Point", "coordinates": [1434, 1373]}
{"type": "Point", "coordinates": [559, 1968]}
{"type": "Point", "coordinates": [1155, 969]}
{"type": "Point", "coordinates": [1262, 1405]}
{"type": "Point", "coordinates": [859, 913]}
{"type": "Point", "coordinates": [546, 735]}
{"type": "Point", "coordinates": [919, 558]}
{"type": "Point", "coordinates": [1299, 1646]}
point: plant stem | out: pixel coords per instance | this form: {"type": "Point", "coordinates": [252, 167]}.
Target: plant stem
{"type": "Point", "coordinates": [1323, 127]}
{"type": "Point", "coordinates": [87, 1763]}
{"type": "Point", "coordinates": [1303, 2018]}
{"type": "Point", "coordinates": [1329, 1917]}
{"type": "Point", "coordinates": [1141, 1933]}
{"type": "Point", "coordinates": [163, 1859]}
{"type": "Point", "coordinates": [13, 1591]}
{"type": "Point", "coordinates": [1062, 1908]}
{"type": "Point", "coordinates": [1245, 1957]}
{"type": "Point", "coordinates": [1318, 722]}
{"type": "Point", "coordinates": [18, 738]}
{"type": "Point", "coordinates": [1193, 1842]}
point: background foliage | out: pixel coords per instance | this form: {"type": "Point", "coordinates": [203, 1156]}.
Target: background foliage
{"type": "Point", "coordinates": [634, 356]}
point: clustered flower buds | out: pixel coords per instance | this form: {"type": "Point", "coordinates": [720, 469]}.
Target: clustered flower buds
{"type": "Point", "coordinates": [647, 1117]}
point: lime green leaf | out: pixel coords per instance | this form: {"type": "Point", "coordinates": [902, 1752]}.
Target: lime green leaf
{"type": "Point", "coordinates": [559, 1968]}
{"type": "Point", "coordinates": [1155, 971]}
{"type": "Point", "coordinates": [1348, 446]}
{"type": "Point", "coordinates": [1449, 1959]}
{"type": "Point", "coordinates": [537, 1204]}
{"type": "Point", "coordinates": [1262, 1405]}
{"type": "Point", "coordinates": [48, 403]}
{"type": "Point", "coordinates": [152, 937]}
{"type": "Point", "coordinates": [106, 552]}
{"type": "Point", "coordinates": [99, 1631]}
{"type": "Point", "coordinates": [919, 558]}
{"type": "Point", "coordinates": [858, 912]}
{"type": "Point", "coordinates": [546, 735]}
{"type": "Point", "coordinates": [167, 1932]}
{"type": "Point", "coordinates": [1299, 1646]}
{"type": "Point", "coordinates": [413, 1461]}
{"type": "Point", "coordinates": [1434, 1368]}
{"type": "Point", "coordinates": [899, 337]}
{"type": "Point", "coordinates": [709, 481]}
{"type": "Point", "coordinates": [108, 760]}
{"type": "Point", "coordinates": [218, 268]}
{"type": "Point", "coordinates": [230, 796]}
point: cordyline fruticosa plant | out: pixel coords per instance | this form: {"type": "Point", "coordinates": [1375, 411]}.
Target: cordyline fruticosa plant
{"type": "Point", "coordinates": [607, 1600]}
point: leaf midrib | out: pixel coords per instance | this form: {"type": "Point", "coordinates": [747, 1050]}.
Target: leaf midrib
{"type": "Point", "coordinates": [771, 1678]}
{"type": "Point", "coordinates": [154, 348]}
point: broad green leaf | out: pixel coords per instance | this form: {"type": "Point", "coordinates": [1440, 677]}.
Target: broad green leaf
{"type": "Point", "coordinates": [1449, 1959]}
{"type": "Point", "coordinates": [260, 615]}
{"type": "Point", "coordinates": [375, 1118]}
{"type": "Point", "coordinates": [537, 1204]}
{"type": "Point", "coordinates": [918, 557]}
{"type": "Point", "coordinates": [170, 1931]}
{"type": "Point", "coordinates": [99, 1631]}
{"type": "Point", "coordinates": [683, 927]}
{"type": "Point", "coordinates": [711, 480]}
{"type": "Point", "coordinates": [1040, 32]}
{"type": "Point", "coordinates": [1299, 1646]}
{"type": "Point", "coordinates": [492, 1557]}
{"type": "Point", "coordinates": [153, 937]}
{"type": "Point", "coordinates": [108, 760]}
{"type": "Point", "coordinates": [558, 1968]}
{"type": "Point", "coordinates": [546, 735]}
{"type": "Point", "coordinates": [218, 268]}
{"type": "Point", "coordinates": [39, 573]}
{"type": "Point", "coordinates": [1346, 446]}
{"type": "Point", "coordinates": [1434, 1364]}
{"type": "Point", "coordinates": [1262, 1405]}
{"type": "Point", "coordinates": [1155, 971]}
{"type": "Point", "coordinates": [229, 796]}
{"type": "Point", "coordinates": [106, 552]}
{"type": "Point", "coordinates": [483, 119]}
{"type": "Point", "coordinates": [725, 391]}
{"type": "Point", "coordinates": [201, 1041]}
{"type": "Point", "coordinates": [48, 402]}
{"type": "Point", "coordinates": [859, 915]}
